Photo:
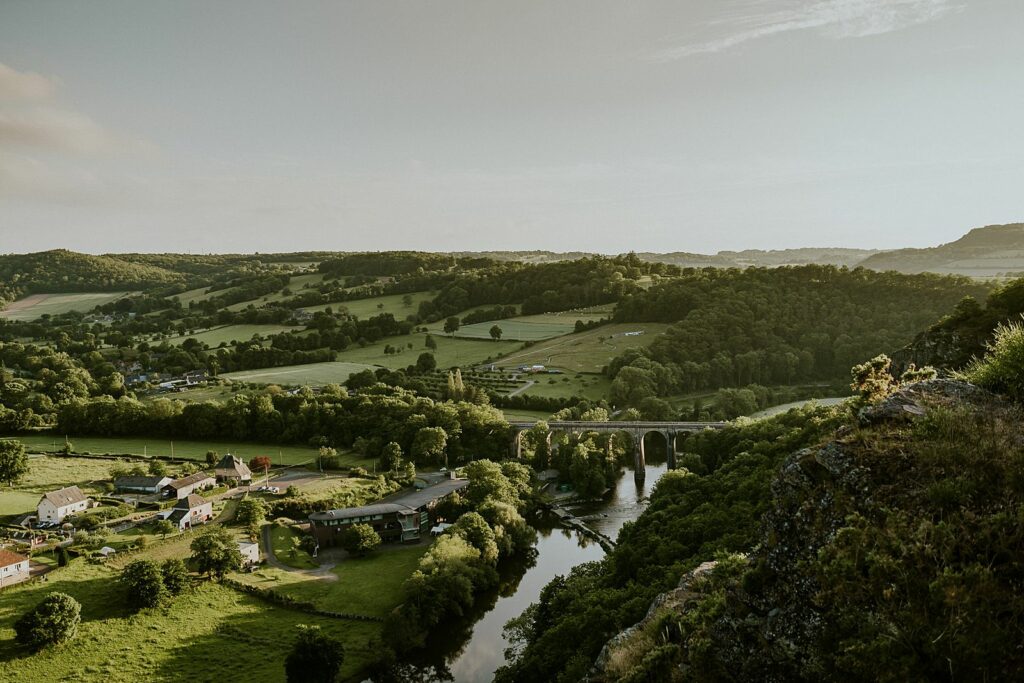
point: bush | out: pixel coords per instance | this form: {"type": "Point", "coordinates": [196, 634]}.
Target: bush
{"type": "Point", "coordinates": [1002, 368]}
{"type": "Point", "coordinates": [144, 582]}
{"type": "Point", "coordinates": [54, 620]}
{"type": "Point", "coordinates": [360, 539]}
{"type": "Point", "coordinates": [315, 657]}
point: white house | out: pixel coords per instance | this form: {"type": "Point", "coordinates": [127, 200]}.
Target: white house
{"type": "Point", "coordinates": [13, 568]}
{"type": "Point", "coordinates": [186, 486]}
{"type": "Point", "coordinates": [53, 507]}
{"type": "Point", "coordinates": [190, 511]}
{"type": "Point", "coordinates": [250, 553]}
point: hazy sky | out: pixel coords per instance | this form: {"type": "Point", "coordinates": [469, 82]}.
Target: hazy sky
{"type": "Point", "coordinates": [692, 125]}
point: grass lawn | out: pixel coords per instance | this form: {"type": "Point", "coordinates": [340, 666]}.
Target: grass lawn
{"type": "Point", "coordinates": [31, 307]}
{"type": "Point", "coordinates": [369, 585]}
{"type": "Point", "coordinates": [587, 351]}
{"type": "Point", "coordinates": [296, 285]}
{"type": "Point", "coordinates": [194, 450]}
{"type": "Point", "coordinates": [17, 502]}
{"type": "Point", "coordinates": [516, 414]}
{"type": "Point", "coordinates": [367, 308]}
{"type": "Point", "coordinates": [593, 387]}
{"type": "Point", "coordinates": [209, 633]}
{"type": "Point", "coordinates": [226, 334]}
{"type": "Point", "coordinates": [281, 539]}
{"type": "Point", "coordinates": [55, 472]}
{"type": "Point", "coordinates": [527, 327]}
{"type": "Point", "coordinates": [449, 353]}
{"type": "Point", "coordinates": [310, 373]}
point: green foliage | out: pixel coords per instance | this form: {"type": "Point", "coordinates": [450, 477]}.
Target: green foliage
{"type": "Point", "coordinates": [391, 457]}
{"type": "Point", "coordinates": [215, 552]}
{"type": "Point", "coordinates": [144, 584]}
{"type": "Point", "coordinates": [315, 657]}
{"type": "Point", "coordinates": [874, 380]}
{"type": "Point", "coordinates": [1002, 368]}
{"type": "Point", "coordinates": [13, 461]}
{"type": "Point", "coordinates": [773, 326]}
{"type": "Point", "coordinates": [690, 518]}
{"type": "Point", "coordinates": [54, 620]}
{"type": "Point", "coordinates": [175, 576]}
{"type": "Point", "coordinates": [251, 511]}
{"type": "Point", "coordinates": [360, 539]}
{"type": "Point", "coordinates": [164, 527]}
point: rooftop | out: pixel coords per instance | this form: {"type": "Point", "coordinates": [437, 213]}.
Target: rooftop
{"type": "Point", "coordinates": [7, 558]}
{"type": "Point", "coordinates": [65, 496]}
{"type": "Point", "coordinates": [404, 504]}
{"type": "Point", "coordinates": [190, 479]}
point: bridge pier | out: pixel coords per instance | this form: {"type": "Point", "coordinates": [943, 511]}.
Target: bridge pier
{"type": "Point", "coordinates": [639, 459]}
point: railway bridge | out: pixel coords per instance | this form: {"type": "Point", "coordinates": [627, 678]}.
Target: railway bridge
{"type": "Point", "coordinates": [669, 431]}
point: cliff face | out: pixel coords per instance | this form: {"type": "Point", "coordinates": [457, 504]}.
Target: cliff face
{"type": "Point", "coordinates": [893, 552]}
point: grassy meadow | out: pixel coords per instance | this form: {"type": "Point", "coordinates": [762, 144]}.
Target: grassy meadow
{"type": "Point", "coordinates": [586, 351]}
{"type": "Point", "coordinates": [194, 636]}
{"type": "Point", "coordinates": [367, 308]}
{"type": "Point", "coordinates": [36, 305]}
{"type": "Point", "coordinates": [368, 585]}
{"type": "Point", "coordinates": [309, 373]}
{"type": "Point", "coordinates": [226, 334]}
{"type": "Point", "coordinates": [192, 450]}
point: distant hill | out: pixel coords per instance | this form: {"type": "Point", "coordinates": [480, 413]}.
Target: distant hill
{"type": "Point", "coordinates": [61, 270]}
{"type": "Point", "coordinates": [992, 251]}
{"type": "Point", "coordinates": [825, 256]}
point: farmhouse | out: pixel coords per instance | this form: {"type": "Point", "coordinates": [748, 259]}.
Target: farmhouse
{"type": "Point", "coordinates": [182, 488]}
{"type": "Point", "coordinates": [190, 511]}
{"type": "Point", "coordinates": [53, 507]}
{"type": "Point", "coordinates": [250, 553]}
{"type": "Point", "coordinates": [231, 468]}
{"type": "Point", "coordinates": [403, 519]}
{"type": "Point", "coordinates": [134, 484]}
{"type": "Point", "coordinates": [13, 568]}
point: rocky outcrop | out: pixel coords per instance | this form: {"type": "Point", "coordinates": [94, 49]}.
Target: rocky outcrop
{"type": "Point", "coordinates": [679, 599]}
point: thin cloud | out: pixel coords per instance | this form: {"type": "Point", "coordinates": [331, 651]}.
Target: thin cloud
{"type": "Point", "coordinates": [24, 85]}
{"type": "Point", "coordinates": [833, 18]}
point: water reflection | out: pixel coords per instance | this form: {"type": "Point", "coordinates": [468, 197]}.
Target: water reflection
{"type": "Point", "coordinates": [472, 648]}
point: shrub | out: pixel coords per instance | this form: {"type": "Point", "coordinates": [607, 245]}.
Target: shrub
{"type": "Point", "coordinates": [1002, 368]}
{"type": "Point", "coordinates": [54, 620]}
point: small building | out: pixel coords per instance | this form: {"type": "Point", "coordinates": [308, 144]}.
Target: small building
{"type": "Point", "coordinates": [250, 553]}
{"type": "Point", "coordinates": [231, 468]}
{"type": "Point", "coordinates": [107, 551]}
{"type": "Point", "coordinates": [184, 487]}
{"type": "Point", "coordinates": [53, 507]}
{"type": "Point", "coordinates": [403, 519]}
{"type": "Point", "coordinates": [190, 511]}
{"type": "Point", "coordinates": [13, 568]}
{"type": "Point", "coordinates": [133, 484]}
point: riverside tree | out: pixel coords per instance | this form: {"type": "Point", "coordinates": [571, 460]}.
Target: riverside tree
{"type": "Point", "coordinates": [315, 657]}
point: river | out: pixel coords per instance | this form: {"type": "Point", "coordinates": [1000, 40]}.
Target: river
{"type": "Point", "coordinates": [470, 651]}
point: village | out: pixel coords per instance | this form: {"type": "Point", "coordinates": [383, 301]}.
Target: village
{"type": "Point", "coordinates": [138, 508]}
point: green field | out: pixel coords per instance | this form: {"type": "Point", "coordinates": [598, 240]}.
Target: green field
{"type": "Point", "coordinates": [36, 305]}
{"type": "Point", "coordinates": [586, 351]}
{"type": "Point", "coordinates": [14, 502]}
{"type": "Point", "coordinates": [528, 328]}
{"type": "Point", "coordinates": [295, 286]}
{"type": "Point", "coordinates": [310, 373]}
{"type": "Point", "coordinates": [592, 387]}
{"type": "Point", "coordinates": [226, 334]}
{"type": "Point", "coordinates": [367, 308]}
{"type": "Point", "coordinates": [210, 633]}
{"type": "Point", "coordinates": [450, 352]}
{"type": "Point", "coordinates": [194, 450]}
{"type": "Point", "coordinates": [368, 585]}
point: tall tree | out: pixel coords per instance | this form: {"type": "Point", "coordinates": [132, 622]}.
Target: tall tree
{"type": "Point", "coordinates": [13, 461]}
{"type": "Point", "coordinates": [495, 332]}
{"type": "Point", "coordinates": [315, 657]}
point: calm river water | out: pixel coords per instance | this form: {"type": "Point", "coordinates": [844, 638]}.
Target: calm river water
{"type": "Point", "coordinates": [470, 651]}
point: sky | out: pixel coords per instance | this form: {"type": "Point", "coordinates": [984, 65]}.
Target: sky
{"type": "Point", "coordinates": [568, 125]}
